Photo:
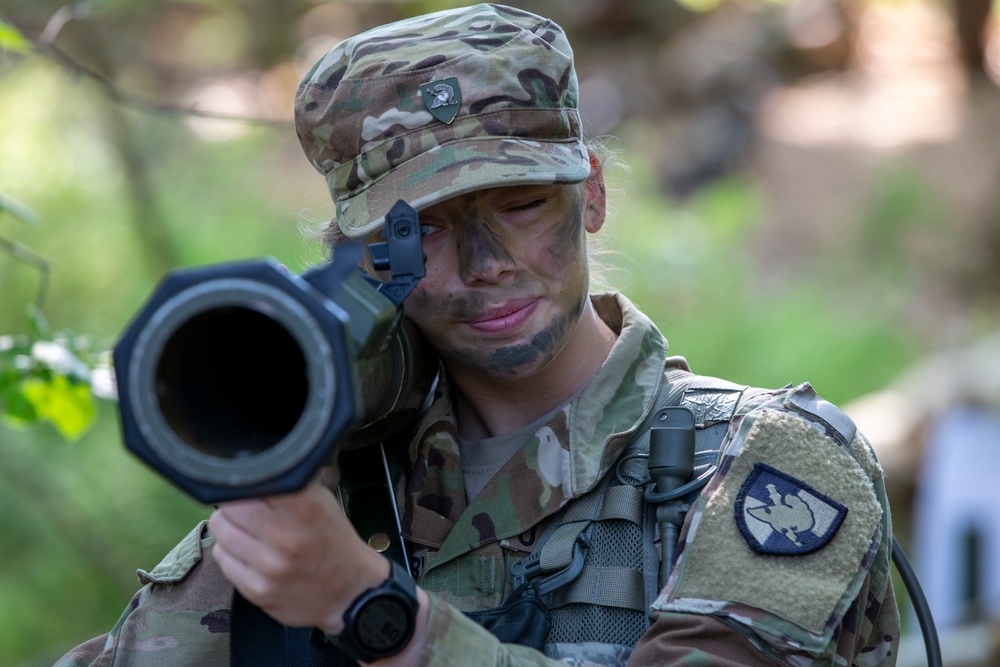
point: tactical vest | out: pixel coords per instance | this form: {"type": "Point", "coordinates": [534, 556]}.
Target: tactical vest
{"type": "Point", "coordinates": [597, 564]}
{"type": "Point", "coordinates": [606, 542]}
{"type": "Point", "coordinates": [610, 535]}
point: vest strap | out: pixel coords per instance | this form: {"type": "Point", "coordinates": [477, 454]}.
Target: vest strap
{"type": "Point", "coordinates": [619, 587]}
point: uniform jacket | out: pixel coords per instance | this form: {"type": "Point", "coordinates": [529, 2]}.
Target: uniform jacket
{"type": "Point", "coordinates": [784, 558]}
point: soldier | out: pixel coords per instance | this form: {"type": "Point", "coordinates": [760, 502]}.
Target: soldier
{"type": "Point", "coordinates": [545, 400]}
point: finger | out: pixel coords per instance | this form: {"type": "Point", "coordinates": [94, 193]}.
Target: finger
{"type": "Point", "coordinates": [253, 516]}
{"type": "Point", "coordinates": [329, 476]}
{"type": "Point", "coordinates": [269, 564]}
{"type": "Point", "coordinates": [307, 506]}
{"type": "Point", "coordinates": [234, 540]}
{"type": "Point", "coordinates": [248, 581]}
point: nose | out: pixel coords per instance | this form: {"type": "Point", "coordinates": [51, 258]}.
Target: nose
{"type": "Point", "coordinates": [482, 254]}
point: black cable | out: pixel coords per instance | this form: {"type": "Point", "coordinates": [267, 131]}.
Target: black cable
{"type": "Point", "coordinates": [932, 645]}
{"type": "Point", "coordinates": [920, 606]}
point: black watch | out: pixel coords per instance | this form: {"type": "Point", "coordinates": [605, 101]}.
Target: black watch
{"type": "Point", "coordinates": [380, 622]}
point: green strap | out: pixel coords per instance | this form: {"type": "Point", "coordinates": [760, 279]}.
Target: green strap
{"type": "Point", "coordinates": [713, 402]}
{"type": "Point", "coordinates": [619, 587]}
{"type": "Point", "coordinates": [614, 502]}
{"type": "Point", "coordinates": [557, 552]}
{"type": "Point", "coordinates": [605, 503]}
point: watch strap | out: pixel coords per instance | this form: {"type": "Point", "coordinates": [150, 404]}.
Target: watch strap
{"type": "Point", "coordinates": [398, 585]}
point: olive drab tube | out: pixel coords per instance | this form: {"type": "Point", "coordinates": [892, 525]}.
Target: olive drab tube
{"type": "Point", "coordinates": [240, 380]}
{"type": "Point", "coordinates": [671, 464]}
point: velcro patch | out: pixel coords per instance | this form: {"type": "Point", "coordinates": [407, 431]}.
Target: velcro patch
{"type": "Point", "coordinates": [719, 572]}
{"type": "Point", "coordinates": [781, 515]}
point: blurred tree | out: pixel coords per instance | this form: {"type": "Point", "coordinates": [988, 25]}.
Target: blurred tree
{"type": "Point", "coordinates": [128, 185]}
{"type": "Point", "coordinates": [971, 19]}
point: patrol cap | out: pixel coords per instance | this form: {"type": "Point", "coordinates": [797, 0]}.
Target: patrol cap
{"type": "Point", "coordinates": [439, 105]}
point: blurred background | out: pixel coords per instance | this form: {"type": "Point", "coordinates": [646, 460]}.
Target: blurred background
{"type": "Point", "coordinates": [812, 193]}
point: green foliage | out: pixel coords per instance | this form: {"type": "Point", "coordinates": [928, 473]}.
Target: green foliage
{"type": "Point", "coordinates": [905, 224]}
{"type": "Point", "coordinates": [11, 39]}
{"type": "Point", "coordinates": [695, 272]}
{"type": "Point", "coordinates": [44, 376]}
{"type": "Point", "coordinates": [78, 520]}
{"type": "Point", "coordinates": [47, 377]}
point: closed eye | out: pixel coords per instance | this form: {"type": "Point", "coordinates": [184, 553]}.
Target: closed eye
{"type": "Point", "coordinates": [534, 203]}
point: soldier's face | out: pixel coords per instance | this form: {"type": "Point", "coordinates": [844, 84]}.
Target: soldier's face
{"type": "Point", "coordinates": [507, 275]}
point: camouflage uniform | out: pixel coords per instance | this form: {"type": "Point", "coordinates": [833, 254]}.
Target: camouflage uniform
{"type": "Point", "coordinates": [478, 97]}
{"type": "Point", "coordinates": [725, 604]}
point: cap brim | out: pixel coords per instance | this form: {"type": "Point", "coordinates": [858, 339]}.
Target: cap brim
{"type": "Point", "coordinates": [460, 167]}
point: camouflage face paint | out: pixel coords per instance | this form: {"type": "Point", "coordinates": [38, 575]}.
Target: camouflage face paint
{"type": "Point", "coordinates": [499, 252]}
{"type": "Point", "coordinates": [542, 348]}
{"type": "Point", "coordinates": [480, 250]}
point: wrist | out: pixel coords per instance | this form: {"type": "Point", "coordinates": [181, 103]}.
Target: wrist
{"type": "Point", "coordinates": [374, 575]}
{"type": "Point", "coordinates": [413, 654]}
{"type": "Point", "coordinates": [381, 622]}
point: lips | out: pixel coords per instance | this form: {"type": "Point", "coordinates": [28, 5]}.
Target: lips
{"type": "Point", "coordinates": [504, 318]}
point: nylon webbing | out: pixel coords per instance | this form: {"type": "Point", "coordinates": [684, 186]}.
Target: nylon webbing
{"type": "Point", "coordinates": [604, 503]}
{"type": "Point", "coordinates": [557, 553]}
{"type": "Point", "coordinates": [620, 587]}
{"type": "Point", "coordinates": [713, 401]}
{"type": "Point", "coordinates": [620, 502]}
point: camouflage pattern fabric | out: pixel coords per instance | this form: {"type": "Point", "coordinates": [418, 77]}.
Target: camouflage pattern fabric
{"type": "Point", "coordinates": [468, 548]}
{"type": "Point", "coordinates": [854, 621]}
{"type": "Point", "coordinates": [180, 616]}
{"type": "Point", "coordinates": [440, 105]}
{"type": "Point", "coordinates": [464, 550]}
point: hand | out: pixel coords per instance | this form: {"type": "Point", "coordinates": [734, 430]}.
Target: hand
{"type": "Point", "coordinates": [295, 556]}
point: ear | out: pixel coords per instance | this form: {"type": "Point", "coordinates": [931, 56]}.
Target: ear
{"type": "Point", "coordinates": [596, 196]}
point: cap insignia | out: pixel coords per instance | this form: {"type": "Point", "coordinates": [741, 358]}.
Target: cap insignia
{"type": "Point", "coordinates": [442, 98]}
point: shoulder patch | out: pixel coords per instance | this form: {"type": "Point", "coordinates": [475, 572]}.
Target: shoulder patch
{"type": "Point", "coordinates": [178, 563]}
{"type": "Point", "coordinates": [781, 515]}
{"type": "Point", "coordinates": [783, 589]}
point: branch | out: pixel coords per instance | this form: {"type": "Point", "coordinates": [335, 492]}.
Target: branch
{"type": "Point", "coordinates": [64, 15]}
{"type": "Point", "coordinates": [28, 256]}
{"type": "Point", "coordinates": [44, 46]}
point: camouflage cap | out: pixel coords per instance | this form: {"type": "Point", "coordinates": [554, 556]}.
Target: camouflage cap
{"type": "Point", "coordinates": [439, 105]}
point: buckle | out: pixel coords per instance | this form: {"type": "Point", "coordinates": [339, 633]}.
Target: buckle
{"type": "Point", "coordinates": [530, 567]}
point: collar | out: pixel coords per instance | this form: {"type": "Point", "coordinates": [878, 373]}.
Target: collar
{"type": "Point", "coordinates": [562, 460]}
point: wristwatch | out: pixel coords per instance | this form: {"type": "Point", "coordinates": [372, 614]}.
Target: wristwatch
{"type": "Point", "coordinates": [380, 622]}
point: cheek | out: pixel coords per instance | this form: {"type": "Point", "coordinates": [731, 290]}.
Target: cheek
{"type": "Point", "coordinates": [563, 238]}
{"type": "Point", "coordinates": [421, 306]}
{"type": "Point", "coordinates": [561, 249]}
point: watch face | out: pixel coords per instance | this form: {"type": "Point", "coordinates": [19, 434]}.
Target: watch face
{"type": "Point", "coordinates": [382, 624]}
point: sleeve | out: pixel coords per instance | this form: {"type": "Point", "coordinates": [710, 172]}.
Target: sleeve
{"type": "Point", "coordinates": [785, 555]}
{"type": "Point", "coordinates": [180, 615]}
{"type": "Point", "coordinates": [455, 640]}
{"type": "Point", "coordinates": [95, 652]}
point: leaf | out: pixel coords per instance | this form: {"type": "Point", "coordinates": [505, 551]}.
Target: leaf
{"type": "Point", "coordinates": [13, 346]}
{"type": "Point", "coordinates": [16, 208]}
{"type": "Point", "coordinates": [38, 323]}
{"type": "Point", "coordinates": [68, 406]}
{"type": "Point", "coordinates": [8, 379]}
{"type": "Point", "coordinates": [20, 412]}
{"type": "Point", "coordinates": [12, 39]}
